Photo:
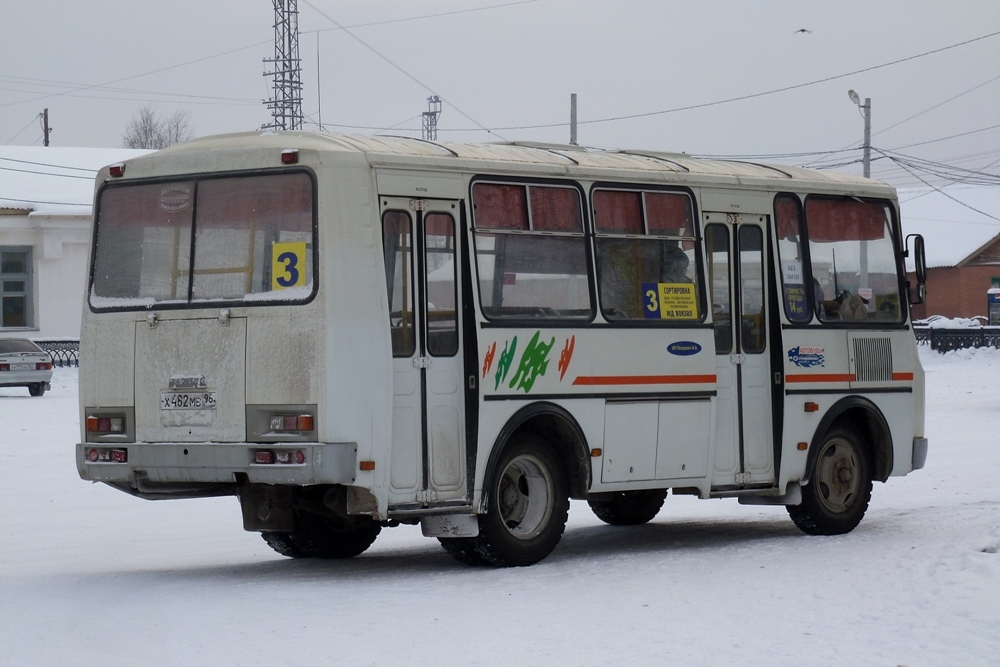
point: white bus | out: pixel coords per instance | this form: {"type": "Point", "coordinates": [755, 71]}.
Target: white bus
{"type": "Point", "coordinates": [348, 333]}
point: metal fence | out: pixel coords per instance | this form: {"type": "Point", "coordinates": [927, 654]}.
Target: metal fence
{"type": "Point", "coordinates": [945, 340]}
{"type": "Point", "coordinates": [64, 353]}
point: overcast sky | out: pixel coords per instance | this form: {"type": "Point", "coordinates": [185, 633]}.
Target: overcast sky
{"type": "Point", "coordinates": [505, 64]}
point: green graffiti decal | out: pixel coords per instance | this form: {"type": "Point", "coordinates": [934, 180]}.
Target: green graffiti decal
{"type": "Point", "coordinates": [534, 362]}
{"type": "Point", "coordinates": [506, 358]}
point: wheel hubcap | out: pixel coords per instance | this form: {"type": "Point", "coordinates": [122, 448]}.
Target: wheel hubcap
{"type": "Point", "coordinates": [837, 475]}
{"type": "Point", "coordinates": [525, 496]}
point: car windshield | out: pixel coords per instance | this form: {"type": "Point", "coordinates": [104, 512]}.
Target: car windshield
{"type": "Point", "coordinates": [15, 345]}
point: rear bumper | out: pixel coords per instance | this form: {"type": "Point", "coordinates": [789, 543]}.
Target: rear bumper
{"type": "Point", "coordinates": [184, 464]}
{"type": "Point", "coordinates": [919, 453]}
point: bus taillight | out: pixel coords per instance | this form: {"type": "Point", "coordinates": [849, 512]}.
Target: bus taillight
{"type": "Point", "coordinates": [291, 423]}
{"type": "Point", "coordinates": [104, 424]}
{"type": "Point", "coordinates": [103, 455]}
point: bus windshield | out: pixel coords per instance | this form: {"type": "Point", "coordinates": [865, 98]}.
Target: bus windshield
{"type": "Point", "coordinates": [222, 239]}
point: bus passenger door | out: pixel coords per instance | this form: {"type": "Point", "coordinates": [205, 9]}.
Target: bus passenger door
{"type": "Point", "coordinates": [421, 249]}
{"type": "Point", "coordinates": [738, 260]}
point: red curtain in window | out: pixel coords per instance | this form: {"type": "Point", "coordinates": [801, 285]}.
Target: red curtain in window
{"type": "Point", "coordinates": [786, 217]}
{"type": "Point", "coordinates": [498, 206]}
{"type": "Point", "coordinates": [155, 205]}
{"type": "Point", "coordinates": [235, 202]}
{"type": "Point", "coordinates": [668, 214]}
{"type": "Point", "coordinates": [555, 209]}
{"type": "Point", "coordinates": [439, 224]}
{"type": "Point", "coordinates": [618, 211]}
{"type": "Point", "coordinates": [830, 220]}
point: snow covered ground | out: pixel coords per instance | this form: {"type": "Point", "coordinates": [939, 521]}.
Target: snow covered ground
{"type": "Point", "coordinates": [91, 576]}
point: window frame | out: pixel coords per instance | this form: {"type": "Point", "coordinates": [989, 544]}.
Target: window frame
{"type": "Point", "coordinates": [27, 277]}
{"type": "Point", "coordinates": [196, 179]}
{"type": "Point", "coordinates": [584, 234]}
{"type": "Point", "coordinates": [898, 262]}
{"type": "Point", "coordinates": [697, 240]}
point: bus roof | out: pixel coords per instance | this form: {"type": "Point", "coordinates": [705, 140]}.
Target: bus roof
{"type": "Point", "coordinates": [548, 159]}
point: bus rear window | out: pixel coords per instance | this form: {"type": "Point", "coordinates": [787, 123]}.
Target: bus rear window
{"type": "Point", "coordinates": [236, 238]}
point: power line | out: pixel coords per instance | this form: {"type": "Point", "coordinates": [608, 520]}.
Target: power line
{"type": "Point", "coordinates": [929, 109]}
{"type": "Point", "coordinates": [82, 87]}
{"type": "Point", "coordinates": [755, 95]}
{"type": "Point", "coordinates": [398, 68]}
{"type": "Point", "coordinates": [33, 118]}
{"type": "Point", "coordinates": [45, 164]}
{"type": "Point", "coordinates": [46, 173]}
{"type": "Point", "coordinates": [425, 16]}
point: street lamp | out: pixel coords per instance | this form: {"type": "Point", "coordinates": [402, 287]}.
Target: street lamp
{"type": "Point", "coordinates": [866, 108]}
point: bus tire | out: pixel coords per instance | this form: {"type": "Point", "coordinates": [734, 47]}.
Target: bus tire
{"type": "Point", "coordinates": [629, 508]}
{"type": "Point", "coordinates": [528, 505]}
{"type": "Point", "coordinates": [839, 489]}
{"type": "Point", "coordinates": [317, 536]}
{"type": "Point", "coordinates": [283, 544]}
{"type": "Point", "coordinates": [462, 549]}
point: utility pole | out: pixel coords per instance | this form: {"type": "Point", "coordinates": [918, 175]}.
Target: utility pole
{"type": "Point", "coordinates": [286, 101]}
{"type": "Point", "coordinates": [572, 119]}
{"type": "Point", "coordinates": [430, 125]}
{"type": "Point", "coordinates": [46, 130]}
{"type": "Point", "coordinates": [866, 109]}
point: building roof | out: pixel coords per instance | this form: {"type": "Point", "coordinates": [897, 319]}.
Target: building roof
{"type": "Point", "coordinates": [53, 180]}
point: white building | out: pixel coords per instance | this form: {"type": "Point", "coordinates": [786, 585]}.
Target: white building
{"type": "Point", "coordinates": [46, 198]}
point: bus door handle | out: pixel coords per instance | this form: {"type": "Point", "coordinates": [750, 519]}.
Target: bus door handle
{"type": "Point", "coordinates": [422, 362]}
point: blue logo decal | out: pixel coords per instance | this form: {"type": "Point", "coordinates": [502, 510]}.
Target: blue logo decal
{"type": "Point", "coordinates": [684, 348]}
{"type": "Point", "coordinates": [806, 357]}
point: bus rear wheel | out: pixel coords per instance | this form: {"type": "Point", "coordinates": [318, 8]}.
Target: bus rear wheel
{"type": "Point", "coordinates": [839, 489]}
{"type": "Point", "coordinates": [629, 508]}
{"type": "Point", "coordinates": [317, 536]}
{"type": "Point", "coordinates": [528, 505]}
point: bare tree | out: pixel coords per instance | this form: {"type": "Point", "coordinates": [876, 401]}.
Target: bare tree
{"type": "Point", "coordinates": [147, 129]}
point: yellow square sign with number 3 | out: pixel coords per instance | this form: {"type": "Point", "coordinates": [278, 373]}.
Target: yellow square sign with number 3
{"type": "Point", "coordinates": [288, 265]}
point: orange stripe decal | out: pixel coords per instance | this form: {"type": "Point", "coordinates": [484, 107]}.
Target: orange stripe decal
{"type": "Point", "coordinates": [820, 377]}
{"type": "Point", "coordinates": [618, 380]}
{"type": "Point", "coordinates": [902, 377]}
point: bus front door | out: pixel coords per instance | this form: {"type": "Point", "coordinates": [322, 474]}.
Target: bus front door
{"type": "Point", "coordinates": [422, 261]}
{"type": "Point", "coordinates": [737, 261]}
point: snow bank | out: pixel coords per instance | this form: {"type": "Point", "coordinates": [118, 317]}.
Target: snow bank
{"type": "Point", "coordinates": [91, 576]}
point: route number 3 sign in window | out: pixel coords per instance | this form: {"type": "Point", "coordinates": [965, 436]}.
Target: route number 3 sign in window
{"type": "Point", "coordinates": [288, 265]}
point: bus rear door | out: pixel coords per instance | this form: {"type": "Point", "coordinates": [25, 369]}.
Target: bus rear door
{"type": "Point", "coordinates": [422, 260]}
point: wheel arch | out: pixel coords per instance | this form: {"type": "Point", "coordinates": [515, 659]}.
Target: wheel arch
{"type": "Point", "coordinates": [559, 428]}
{"type": "Point", "coordinates": [866, 419]}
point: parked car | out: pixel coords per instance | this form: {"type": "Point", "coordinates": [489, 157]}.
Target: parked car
{"type": "Point", "coordinates": [24, 364]}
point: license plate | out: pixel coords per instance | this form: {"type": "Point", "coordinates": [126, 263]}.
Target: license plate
{"type": "Point", "coordinates": [187, 400]}
{"type": "Point", "coordinates": [22, 367]}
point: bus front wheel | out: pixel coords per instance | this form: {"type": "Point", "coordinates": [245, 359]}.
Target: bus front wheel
{"type": "Point", "coordinates": [527, 508]}
{"type": "Point", "coordinates": [839, 489]}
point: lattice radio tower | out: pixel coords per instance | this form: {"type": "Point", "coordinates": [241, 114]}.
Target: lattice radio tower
{"type": "Point", "coordinates": [286, 101]}
{"type": "Point", "coordinates": [430, 117]}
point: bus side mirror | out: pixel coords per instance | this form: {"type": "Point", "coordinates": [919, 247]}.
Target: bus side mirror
{"type": "Point", "coordinates": [919, 266]}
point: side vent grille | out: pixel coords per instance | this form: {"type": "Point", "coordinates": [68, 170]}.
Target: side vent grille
{"type": "Point", "coordinates": [872, 360]}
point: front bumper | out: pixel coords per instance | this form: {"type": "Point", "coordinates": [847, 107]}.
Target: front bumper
{"type": "Point", "coordinates": [185, 464]}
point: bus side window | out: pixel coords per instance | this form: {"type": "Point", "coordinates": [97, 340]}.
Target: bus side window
{"type": "Point", "coordinates": [719, 285]}
{"type": "Point", "coordinates": [531, 252]}
{"type": "Point", "coordinates": [397, 246]}
{"type": "Point", "coordinates": [645, 255]}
